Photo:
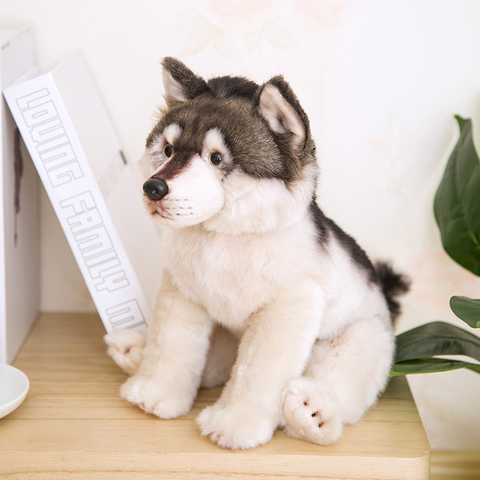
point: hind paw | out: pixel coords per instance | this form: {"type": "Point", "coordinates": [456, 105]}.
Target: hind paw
{"type": "Point", "coordinates": [126, 349]}
{"type": "Point", "coordinates": [311, 413]}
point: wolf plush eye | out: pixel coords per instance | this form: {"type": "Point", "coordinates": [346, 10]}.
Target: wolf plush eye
{"type": "Point", "coordinates": [215, 158]}
{"type": "Point", "coordinates": [168, 150]}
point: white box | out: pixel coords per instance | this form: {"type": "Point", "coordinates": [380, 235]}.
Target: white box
{"type": "Point", "coordinates": [80, 162]}
{"type": "Point", "coordinates": [19, 245]}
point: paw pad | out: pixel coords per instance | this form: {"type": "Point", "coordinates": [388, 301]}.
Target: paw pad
{"type": "Point", "coordinates": [311, 413]}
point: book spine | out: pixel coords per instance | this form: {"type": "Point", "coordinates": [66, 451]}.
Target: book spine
{"type": "Point", "coordinates": [19, 249]}
{"type": "Point", "coordinates": [68, 179]}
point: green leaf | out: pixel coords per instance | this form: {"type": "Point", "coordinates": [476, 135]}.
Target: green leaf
{"type": "Point", "coordinates": [436, 338]}
{"type": "Point", "coordinates": [466, 309]}
{"type": "Point", "coordinates": [457, 202]}
{"type": "Point", "coordinates": [430, 365]}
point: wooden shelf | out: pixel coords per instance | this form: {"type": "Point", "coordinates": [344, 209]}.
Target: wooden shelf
{"type": "Point", "coordinates": [73, 424]}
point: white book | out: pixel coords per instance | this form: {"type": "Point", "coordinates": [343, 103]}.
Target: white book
{"type": "Point", "coordinates": [19, 243]}
{"type": "Point", "coordinates": [79, 159]}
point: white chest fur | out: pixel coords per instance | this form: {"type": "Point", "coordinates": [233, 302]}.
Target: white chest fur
{"type": "Point", "coordinates": [234, 275]}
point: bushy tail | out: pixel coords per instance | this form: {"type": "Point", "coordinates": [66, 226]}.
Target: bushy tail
{"type": "Point", "coordinates": [393, 285]}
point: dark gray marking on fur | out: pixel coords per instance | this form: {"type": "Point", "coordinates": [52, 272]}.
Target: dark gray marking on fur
{"type": "Point", "coordinates": [223, 87]}
{"type": "Point", "coordinates": [320, 223]}
{"type": "Point", "coordinates": [232, 103]}
{"type": "Point", "coordinates": [192, 84]}
{"type": "Point", "coordinates": [325, 226]}
{"type": "Point", "coordinates": [393, 285]}
{"type": "Point", "coordinates": [177, 163]}
{"type": "Point", "coordinates": [283, 86]}
{"type": "Point", "coordinates": [246, 134]}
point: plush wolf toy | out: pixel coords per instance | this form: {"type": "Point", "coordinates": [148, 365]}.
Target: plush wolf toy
{"type": "Point", "coordinates": [260, 289]}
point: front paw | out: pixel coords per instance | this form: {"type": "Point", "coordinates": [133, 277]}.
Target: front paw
{"type": "Point", "coordinates": [236, 426]}
{"type": "Point", "coordinates": [126, 349]}
{"type": "Point", "coordinates": [154, 397]}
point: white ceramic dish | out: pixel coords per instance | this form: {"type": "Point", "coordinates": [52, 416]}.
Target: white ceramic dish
{"type": "Point", "coordinates": [14, 386]}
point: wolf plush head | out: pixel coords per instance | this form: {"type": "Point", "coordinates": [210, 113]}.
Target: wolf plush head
{"type": "Point", "coordinates": [228, 154]}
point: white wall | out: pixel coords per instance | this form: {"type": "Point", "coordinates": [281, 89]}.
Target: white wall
{"type": "Point", "coordinates": [381, 81]}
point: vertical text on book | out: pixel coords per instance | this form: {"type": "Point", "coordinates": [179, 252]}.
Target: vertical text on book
{"type": "Point", "coordinates": [91, 240]}
{"type": "Point", "coordinates": [94, 243]}
{"type": "Point", "coordinates": [50, 138]}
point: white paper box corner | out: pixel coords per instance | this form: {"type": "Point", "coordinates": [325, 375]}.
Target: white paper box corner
{"type": "Point", "coordinates": [80, 162]}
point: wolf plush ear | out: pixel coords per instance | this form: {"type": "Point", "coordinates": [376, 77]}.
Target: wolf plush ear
{"type": "Point", "coordinates": [180, 83]}
{"type": "Point", "coordinates": [279, 106]}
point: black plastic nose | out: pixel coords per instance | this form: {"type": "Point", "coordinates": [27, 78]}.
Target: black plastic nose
{"type": "Point", "coordinates": [155, 188]}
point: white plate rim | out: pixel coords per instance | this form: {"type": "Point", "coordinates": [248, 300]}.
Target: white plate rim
{"type": "Point", "coordinates": [11, 405]}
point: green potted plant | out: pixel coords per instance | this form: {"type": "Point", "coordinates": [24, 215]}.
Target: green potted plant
{"type": "Point", "coordinates": [457, 212]}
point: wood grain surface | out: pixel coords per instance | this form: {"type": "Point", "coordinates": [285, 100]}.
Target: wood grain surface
{"type": "Point", "coordinates": [73, 424]}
